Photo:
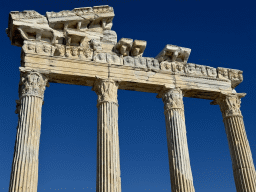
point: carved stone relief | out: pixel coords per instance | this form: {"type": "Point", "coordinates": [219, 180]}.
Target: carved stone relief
{"type": "Point", "coordinates": [222, 73]}
{"type": "Point", "coordinates": [114, 59]}
{"type": "Point", "coordinates": [173, 53]}
{"type": "Point", "coordinates": [140, 62]}
{"type": "Point", "coordinates": [123, 47]}
{"type": "Point", "coordinates": [85, 34]}
{"type": "Point", "coordinates": [152, 63]}
{"type": "Point", "coordinates": [106, 90]}
{"type": "Point", "coordinates": [138, 48]}
{"type": "Point", "coordinates": [32, 83]}
{"type": "Point", "coordinates": [172, 98]}
{"type": "Point", "coordinates": [229, 104]}
{"type": "Point", "coordinates": [129, 61]}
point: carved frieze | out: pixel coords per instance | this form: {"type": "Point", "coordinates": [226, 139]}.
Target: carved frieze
{"type": "Point", "coordinates": [211, 71]}
{"type": "Point", "coordinates": [114, 59]}
{"type": "Point", "coordinates": [85, 34]}
{"type": "Point", "coordinates": [152, 63]}
{"type": "Point", "coordinates": [236, 77]}
{"type": "Point", "coordinates": [190, 69]}
{"type": "Point", "coordinates": [129, 61]}
{"type": "Point", "coordinates": [85, 53]}
{"type": "Point", "coordinates": [140, 62]}
{"type": "Point", "coordinates": [222, 73]}
{"type": "Point", "coordinates": [100, 57]}
{"type": "Point", "coordinates": [38, 48]}
{"type": "Point", "coordinates": [166, 66]}
{"type": "Point", "coordinates": [106, 90]}
{"type": "Point", "coordinates": [59, 50]}
{"type": "Point", "coordinates": [178, 68]}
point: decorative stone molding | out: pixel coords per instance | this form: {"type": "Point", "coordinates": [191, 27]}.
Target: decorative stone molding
{"type": "Point", "coordinates": [32, 83]}
{"type": "Point", "coordinates": [138, 48]}
{"type": "Point", "coordinates": [114, 59]}
{"type": "Point", "coordinates": [84, 34]}
{"type": "Point", "coordinates": [128, 47]}
{"type": "Point", "coordinates": [72, 28]}
{"type": "Point", "coordinates": [236, 77]}
{"type": "Point", "coordinates": [172, 98]}
{"type": "Point", "coordinates": [152, 63]}
{"type": "Point", "coordinates": [229, 104]}
{"type": "Point", "coordinates": [222, 73]}
{"type": "Point", "coordinates": [106, 90]}
{"type": "Point", "coordinates": [174, 53]}
{"type": "Point", "coordinates": [40, 48]}
{"type": "Point", "coordinates": [123, 47]}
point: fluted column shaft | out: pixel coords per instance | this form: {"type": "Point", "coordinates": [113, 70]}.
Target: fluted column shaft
{"type": "Point", "coordinates": [108, 157]}
{"type": "Point", "coordinates": [241, 156]}
{"type": "Point", "coordinates": [24, 175]}
{"type": "Point", "coordinates": [179, 161]}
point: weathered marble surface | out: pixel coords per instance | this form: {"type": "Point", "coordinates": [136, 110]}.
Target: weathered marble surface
{"type": "Point", "coordinates": [24, 175]}
{"type": "Point", "coordinates": [79, 45]}
{"type": "Point", "coordinates": [240, 152]}
{"type": "Point", "coordinates": [108, 156]}
{"type": "Point", "coordinates": [179, 161]}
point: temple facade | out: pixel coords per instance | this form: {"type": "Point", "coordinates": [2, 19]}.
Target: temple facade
{"type": "Point", "coordinates": [78, 47]}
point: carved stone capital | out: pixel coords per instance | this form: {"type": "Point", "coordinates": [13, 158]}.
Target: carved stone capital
{"type": "Point", "coordinates": [32, 83]}
{"type": "Point", "coordinates": [229, 104]}
{"type": "Point", "coordinates": [106, 90]}
{"type": "Point", "coordinates": [172, 98]}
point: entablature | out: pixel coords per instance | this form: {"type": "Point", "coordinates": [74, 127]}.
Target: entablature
{"type": "Point", "coordinates": [77, 46]}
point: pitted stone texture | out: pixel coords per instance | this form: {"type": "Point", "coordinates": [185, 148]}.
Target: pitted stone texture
{"type": "Point", "coordinates": [241, 156]}
{"type": "Point", "coordinates": [174, 53]}
{"type": "Point", "coordinates": [179, 161]}
{"type": "Point", "coordinates": [106, 90]}
{"type": "Point", "coordinates": [108, 157]}
{"type": "Point", "coordinates": [24, 175]}
{"type": "Point", "coordinates": [32, 83]}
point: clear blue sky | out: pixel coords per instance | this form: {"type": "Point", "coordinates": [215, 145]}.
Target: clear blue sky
{"type": "Point", "coordinates": [220, 34]}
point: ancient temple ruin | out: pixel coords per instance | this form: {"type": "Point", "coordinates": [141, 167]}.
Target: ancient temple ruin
{"type": "Point", "coordinates": [79, 47]}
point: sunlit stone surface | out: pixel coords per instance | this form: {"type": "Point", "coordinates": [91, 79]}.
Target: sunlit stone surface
{"type": "Point", "coordinates": [78, 47]}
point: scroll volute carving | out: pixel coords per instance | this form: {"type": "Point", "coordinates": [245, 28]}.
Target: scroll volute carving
{"type": "Point", "coordinates": [32, 83]}
{"type": "Point", "coordinates": [106, 90]}
{"type": "Point", "coordinates": [172, 98]}
{"type": "Point", "coordinates": [229, 104]}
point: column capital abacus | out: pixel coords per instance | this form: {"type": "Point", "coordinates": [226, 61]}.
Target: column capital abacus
{"type": "Point", "coordinates": [106, 89]}
{"type": "Point", "coordinates": [32, 83]}
{"type": "Point", "coordinates": [172, 98]}
{"type": "Point", "coordinates": [229, 104]}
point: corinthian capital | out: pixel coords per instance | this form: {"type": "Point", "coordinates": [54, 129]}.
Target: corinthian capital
{"type": "Point", "coordinates": [32, 83]}
{"type": "Point", "coordinates": [172, 98]}
{"type": "Point", "coordinates": [229, 104]}
{"type": "Point", "coordinates": [106, 90]}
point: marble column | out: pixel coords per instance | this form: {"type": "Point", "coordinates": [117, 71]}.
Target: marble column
{"type": "Point", "coordinates": [241, 156]}
{"type": "Point", "coordinates": [24, 175]}
{"type": "Point", "coordinates": [108, 157]}
{"type": "Point", "coordinates": [179, 161]}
